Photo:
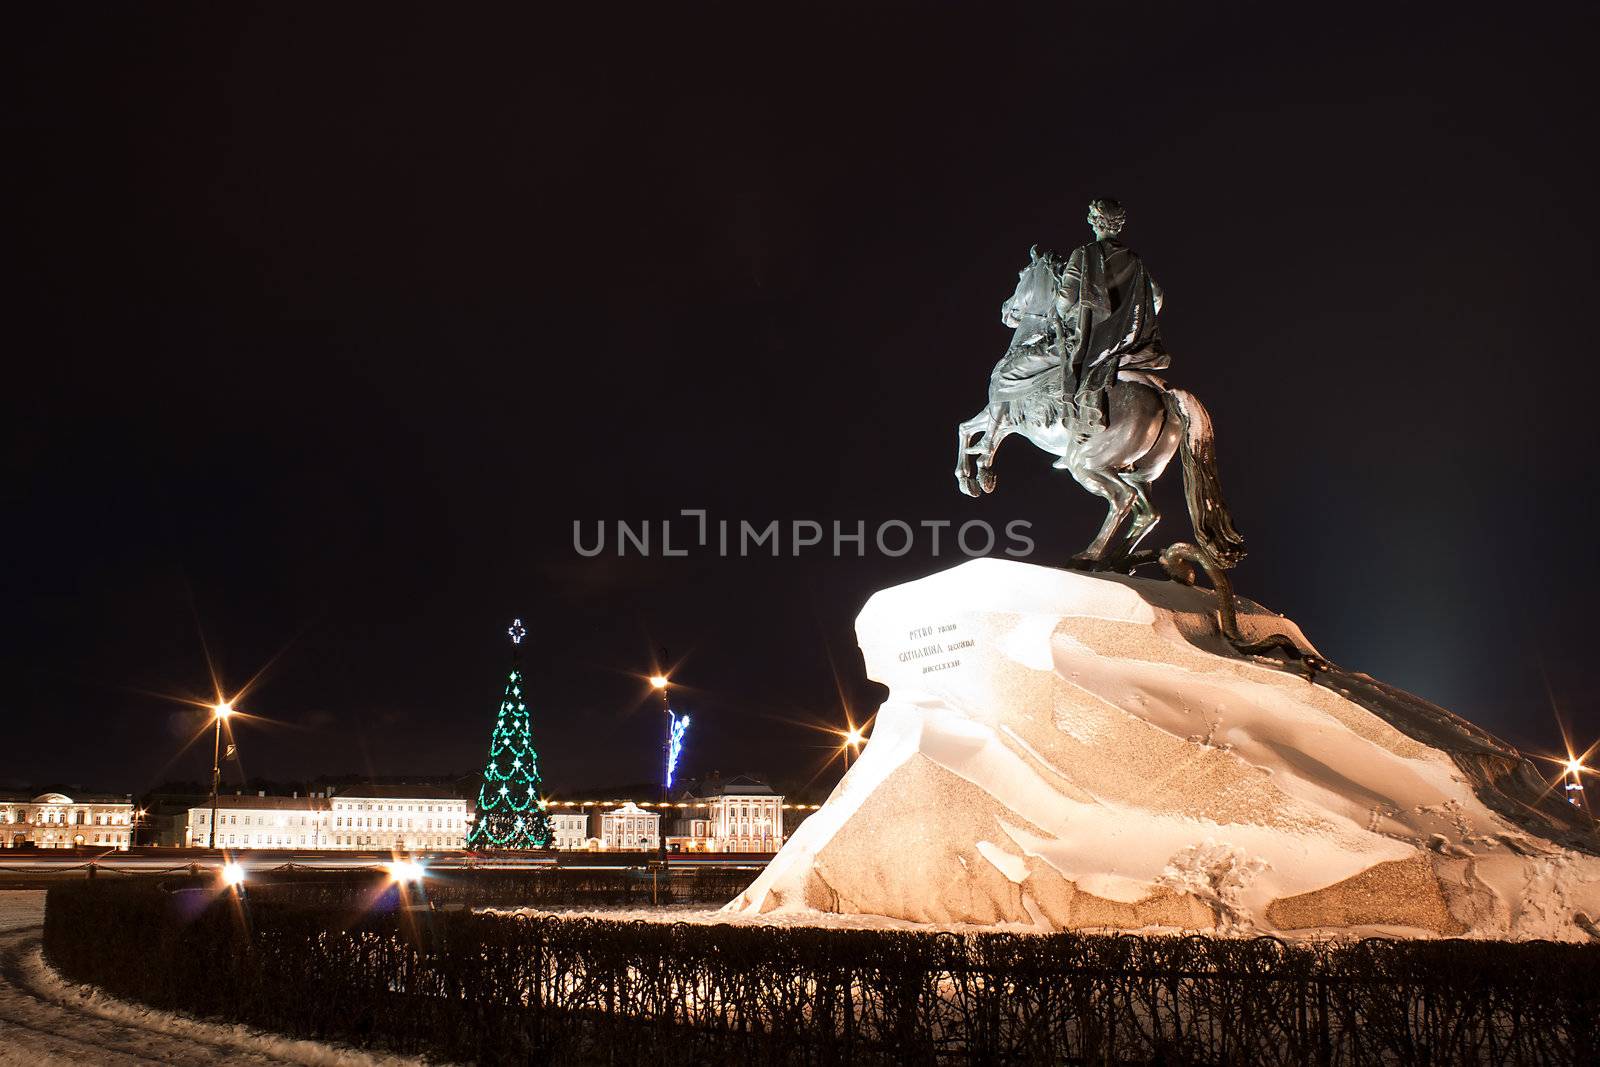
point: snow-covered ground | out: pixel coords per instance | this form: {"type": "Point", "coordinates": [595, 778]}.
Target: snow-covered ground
{"type": "Point", "coordinates": [21, 908]}
{"type": "Point", "coordinates": [46, 1020]}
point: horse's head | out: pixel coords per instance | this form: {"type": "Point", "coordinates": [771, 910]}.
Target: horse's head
{"type": "Point", "coordinates": [1036, 285]}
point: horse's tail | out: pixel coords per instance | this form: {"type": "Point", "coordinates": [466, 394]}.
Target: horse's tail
{"type": "Point", "coordinates": [1213, 526]}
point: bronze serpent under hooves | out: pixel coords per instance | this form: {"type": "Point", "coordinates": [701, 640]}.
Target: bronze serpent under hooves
{"type": "Point", "coordinates": [1180, 560]}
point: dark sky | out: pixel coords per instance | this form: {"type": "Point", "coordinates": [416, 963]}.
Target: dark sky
{"type": "Point", "coordinates": [325, 327]}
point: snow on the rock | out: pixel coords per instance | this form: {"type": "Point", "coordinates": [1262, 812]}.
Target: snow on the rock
{"type": "Point", "coordinates": [1214, 873]}
{"type": "Point", "coordinates": [1065, 750]}
{"type": "Point", "coordinates": [1013, 867]}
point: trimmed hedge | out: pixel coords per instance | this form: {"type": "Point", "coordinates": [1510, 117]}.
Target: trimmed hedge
{"type": "Point", "coordinates": [503, 989]}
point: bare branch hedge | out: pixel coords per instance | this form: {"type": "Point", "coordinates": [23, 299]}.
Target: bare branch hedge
{"type": "Point", "coordinates": [377, 969]}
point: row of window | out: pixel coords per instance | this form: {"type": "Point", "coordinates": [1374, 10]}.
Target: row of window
{"type": "Point", "coordinates": [225, 819]}
{"type": "Point", "coordinates": [51, 841]}
{"type": "Point", "coordinates": [750, 844]}
{"type": "Point", "coordinates": [60, 817]}
{"type": "Point", "coordinates": [258, 840]}
{"type": "Point", "coordinates": [745, 811]}
{"type": "Point", "coordinates": [417, 808]}
{"type": "Point", "coordinates": [390, 823]}
{"type": "Point", "coordinates": [364, 822]}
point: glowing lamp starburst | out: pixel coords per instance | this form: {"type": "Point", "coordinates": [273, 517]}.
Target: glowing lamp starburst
{"type": "Point", "coordinates": [406, 871]}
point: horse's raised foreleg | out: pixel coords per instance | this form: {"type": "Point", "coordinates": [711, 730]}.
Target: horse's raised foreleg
{"type": "Point", "coordinates": [977, 439]}
{"type": "Point", "coordinates": [1000, 427]}
{"type": "Point", "coordinates": [967, 435]}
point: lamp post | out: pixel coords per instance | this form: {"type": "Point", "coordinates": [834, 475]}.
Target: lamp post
{"type": "Point", "coordinates": [1571, 782]}
{"type": "Point", "coordinates": [660, 682]}
{"type": "Point", "coordinates": [220, 711]}
{"type": "Point", "coordinates": [852, 740]}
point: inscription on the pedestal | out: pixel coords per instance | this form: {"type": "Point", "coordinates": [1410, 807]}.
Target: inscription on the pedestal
{"type": "Point", "coordinates": [937, 644]}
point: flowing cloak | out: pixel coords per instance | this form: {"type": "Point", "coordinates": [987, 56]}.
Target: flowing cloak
{"type": "Point", "coordinates": [1107, 308]}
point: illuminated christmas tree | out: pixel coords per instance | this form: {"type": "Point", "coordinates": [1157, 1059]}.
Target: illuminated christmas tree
{"type": "Point", "coordinates": [511, 812]}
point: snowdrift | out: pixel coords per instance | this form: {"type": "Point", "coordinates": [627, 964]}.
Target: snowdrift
{"type": "Point", "coordinates": [1074, 751]}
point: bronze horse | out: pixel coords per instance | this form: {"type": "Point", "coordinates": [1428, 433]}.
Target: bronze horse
{"type": "Point", "coordinates": [1147, 421]}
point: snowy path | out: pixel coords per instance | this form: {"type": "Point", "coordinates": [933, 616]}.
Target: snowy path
{"type": "Point", "coordinates": [47, 1020]}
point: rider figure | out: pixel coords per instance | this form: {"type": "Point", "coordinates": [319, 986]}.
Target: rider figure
{"type": "Point", "coordinates": [1105, 321]}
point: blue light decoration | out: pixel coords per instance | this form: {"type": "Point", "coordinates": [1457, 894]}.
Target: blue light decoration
{"type": "Point", "coordinates": [676, 728]}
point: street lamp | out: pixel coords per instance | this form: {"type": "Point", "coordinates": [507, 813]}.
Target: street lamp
{"type": "Point", "coordinates": [219, 711]}
{"type": "Point", "coordinates": [853, 739]}
{"type": "Point", "coordinates": [659, 683]}
{"type": "Point", "coordinates": [406, 871]}
{"type": "Point", "coordinates": [1572, 782]}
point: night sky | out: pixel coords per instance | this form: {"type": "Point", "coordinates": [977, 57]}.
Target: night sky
{"type": "Point", "coordinates": [325, 327]}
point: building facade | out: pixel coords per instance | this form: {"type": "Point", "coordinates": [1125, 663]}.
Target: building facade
{"type": "Point", "coordinates": [261, 821]}
{"type": "Point", "coordinates": [378, 818]}
{"type": "Point", "coordinates": [744, 816]}
{"type": "Point", "coordinates": [399, 818]}
{"type": "Point", "coordinates": [55, 820]}
{"type": "Point", "coordinates": [630, 829]}
{"type": "Point", "coordinates": [569, 832]}
{"type": "Point", "coordinates": [740, 814]}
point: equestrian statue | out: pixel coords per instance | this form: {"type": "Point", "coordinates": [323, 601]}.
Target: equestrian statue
{"type": "Point", "coordinates": [1077, 382]}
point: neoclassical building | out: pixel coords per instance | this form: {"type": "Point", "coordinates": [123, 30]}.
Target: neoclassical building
{"type": "Point", "coordinates": [369, 818]}
{"type": "Point", "coordinates": [399, 818]}
{"type": "Point", "coordinates": [739, 814]}
{"type": "Point", "coordinates": [744, 815]}
{"type": "Point", "coordinates": [569, 831]}
{"type": "Point", "coordinates": [260, 821]}
{"type": "Point", "coordinates": [630, 829]}
{"type": "Point", "coordinates": [55, 820]}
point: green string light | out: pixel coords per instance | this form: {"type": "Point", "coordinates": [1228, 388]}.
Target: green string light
{"type": "Point", "coordinates": [510, 812]}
